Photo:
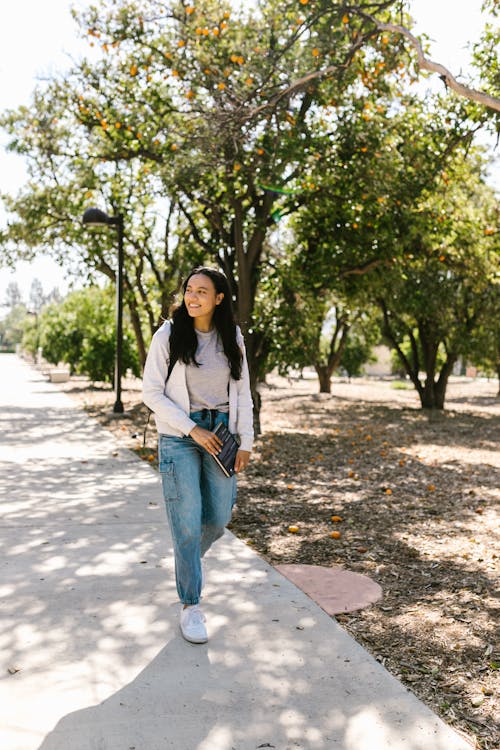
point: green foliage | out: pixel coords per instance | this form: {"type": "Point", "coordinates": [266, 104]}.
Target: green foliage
{"type": "Point", "coordinates": [405, 344]}
{"type": "Point", "coordinates": [291, 313]}
{"type": "Point", "coordinates": [437, 292]}
{"type": "Point", "coordinates": [483, 349]}
{"type": "Point", "coordinates": [30, 340]}
{"type": "Point", "coordinates": [205, 125]}
{"type": "Point", "coordinates": [210, 105]}
{"type": "Point", "coordinates": [486, 59]}
{"type": "Point", "coordinates": [66, 175]}
{"type": "Point", "coordinates": [80, 331]}
{"type": "Point", "coordinates": [358, 350]}
{"type": "Point", "coordinates": [12, 327]}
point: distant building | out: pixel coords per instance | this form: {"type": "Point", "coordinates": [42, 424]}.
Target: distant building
{"type": "Point", "coordinates": [382, 366]}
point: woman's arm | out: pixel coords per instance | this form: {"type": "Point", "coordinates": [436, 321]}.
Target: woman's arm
{"type": "Point", "coordinates": [244, 424]}
{"type": "Point", "coordinates": [153, 385]}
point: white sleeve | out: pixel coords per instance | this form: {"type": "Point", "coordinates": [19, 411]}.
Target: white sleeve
{"type": "Point", "coordinates": [153, 385]}
{"type": "Point", "coordinates": [245, 404]}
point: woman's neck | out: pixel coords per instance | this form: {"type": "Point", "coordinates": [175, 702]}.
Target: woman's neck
{"type": "Point", "coordinates": [204, 326]}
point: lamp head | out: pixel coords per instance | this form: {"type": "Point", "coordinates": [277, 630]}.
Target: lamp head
{"type": "Point", "coordinates": [94, 217]}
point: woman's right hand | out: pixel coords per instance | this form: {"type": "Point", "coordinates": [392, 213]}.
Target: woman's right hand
{"type": "Point", "coordinates": [206, 439]}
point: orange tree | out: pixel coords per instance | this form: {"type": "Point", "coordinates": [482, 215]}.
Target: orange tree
{"type": "Point", "coordinates": [420, 221]}
{"type": "Point", "coordinates": [385, 160]}
{"type": "Point", "coordinates": [221, 105]}
{"type": "Point", "coordinates": [66, 175]}
{"type": "Point", "coordinates": [439, 294]}
{"type": "Point", "coordinates": [203, 110]}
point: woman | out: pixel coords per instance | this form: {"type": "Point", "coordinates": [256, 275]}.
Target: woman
{"type": "Point", "coordinates": [196, 376]}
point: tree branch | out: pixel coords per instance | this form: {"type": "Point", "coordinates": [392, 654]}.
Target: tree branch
{"type": "Point", "coordinates": [359, 269]}
{"type": "Point", "coordinates": [480, 97]}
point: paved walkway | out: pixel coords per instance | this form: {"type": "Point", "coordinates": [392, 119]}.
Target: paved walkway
{"type": "Point", "coordinates": [91, 655]}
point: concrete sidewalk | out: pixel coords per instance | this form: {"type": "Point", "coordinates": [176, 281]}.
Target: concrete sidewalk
{"type": "Point", "coordinates": [89, 616]}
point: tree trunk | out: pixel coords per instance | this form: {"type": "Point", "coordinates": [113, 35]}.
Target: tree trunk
{"type": "Point", "coordinates": [139, 336]}
{"type": "Point", "coordinates": [433, 397]}
{"type": "Point", "coordinates": [324, 377]}
{"type": "Point", "coordinates": [247, 263]}
{"type": "Point", "coordinates": [428, 399]}
{"type": "Point", "coordinates": [257, 346]}
{"type": "Point", "coordinates": [434, 393]}
{"type": "Point", "coordinates": [257, 404]}
{"type": "Point", "coordinates": [325, 371]}
{"type": "Point", "coordinates": [442, 383]}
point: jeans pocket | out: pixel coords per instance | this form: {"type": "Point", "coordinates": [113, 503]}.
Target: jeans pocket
{"type": "Point", "coordinates": [169, 481]}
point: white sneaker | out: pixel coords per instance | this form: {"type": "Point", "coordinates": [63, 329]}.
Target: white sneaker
{"type": "Point", "coordinates": [193, 625]}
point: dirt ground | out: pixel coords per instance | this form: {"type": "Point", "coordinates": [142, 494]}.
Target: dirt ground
{"type": "Point", "coordinates": [417, 494]}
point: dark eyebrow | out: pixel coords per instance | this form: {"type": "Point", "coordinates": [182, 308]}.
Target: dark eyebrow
{"type": "Point", "coordinates": [199, 287]}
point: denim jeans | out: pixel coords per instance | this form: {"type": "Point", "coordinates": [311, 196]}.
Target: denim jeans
{"type": "Point", "coordinates": [198, 499]}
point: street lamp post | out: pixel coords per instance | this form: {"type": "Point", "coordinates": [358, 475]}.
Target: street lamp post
{"type": "Point", "coordinates": [94, 217]}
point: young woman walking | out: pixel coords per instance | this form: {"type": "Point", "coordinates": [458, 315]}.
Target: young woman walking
{"type": "Point", "coordinates": [196, 375]}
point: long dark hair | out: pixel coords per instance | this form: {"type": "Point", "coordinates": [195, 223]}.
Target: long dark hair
{"type": "Point", "coordinates": [183, 340]}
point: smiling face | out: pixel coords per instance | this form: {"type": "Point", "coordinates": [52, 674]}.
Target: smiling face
{"type": "Point", "coordinates": [201, 299]}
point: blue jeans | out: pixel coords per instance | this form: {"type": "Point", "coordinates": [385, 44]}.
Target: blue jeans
{"type": "Point", "coordinates": [198, 498]}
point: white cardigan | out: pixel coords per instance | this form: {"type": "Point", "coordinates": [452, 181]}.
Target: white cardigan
{"type": "Point", "coordinates": [169, 401]}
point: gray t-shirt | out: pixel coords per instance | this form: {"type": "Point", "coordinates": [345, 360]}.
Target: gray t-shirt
{"type": "Point", "coordinates": [208, 384]}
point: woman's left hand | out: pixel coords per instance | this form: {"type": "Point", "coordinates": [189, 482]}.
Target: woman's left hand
{"type": "Point", "coordinates": [242, 460]}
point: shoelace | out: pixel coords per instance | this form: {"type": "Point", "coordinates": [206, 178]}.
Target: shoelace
{"type": "Point", "coordinates": [196, 616]}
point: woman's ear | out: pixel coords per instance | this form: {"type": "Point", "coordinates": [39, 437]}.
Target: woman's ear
{"type": "Point", "coordinates": [219, 298]}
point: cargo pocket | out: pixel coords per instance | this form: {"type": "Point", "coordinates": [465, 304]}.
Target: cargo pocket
{"type": "Point", "coordinates": [235, 490]}
{"type": "Point", "coordinates": [169, 481]}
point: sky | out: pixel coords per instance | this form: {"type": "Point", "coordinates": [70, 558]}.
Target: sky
{"type": "Point", "coordinates": [38, 39]}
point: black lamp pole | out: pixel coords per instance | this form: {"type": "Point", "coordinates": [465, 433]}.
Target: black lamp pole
{"type": "Point", "coordinates": [94, 217]}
